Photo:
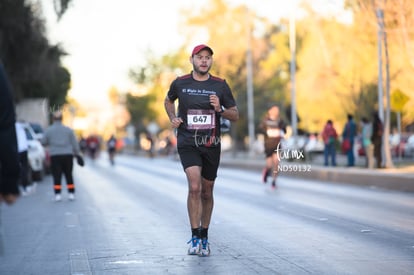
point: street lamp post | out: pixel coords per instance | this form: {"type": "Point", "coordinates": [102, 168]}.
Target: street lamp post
{"type": "Point", "coordinates": [380, 17]}
{"type": "Point", "coordinates": [382, 38]}
{"type": "Point", "coordinates": [292, 45]}
{"type": "Point", "coordinates": [250, 99]}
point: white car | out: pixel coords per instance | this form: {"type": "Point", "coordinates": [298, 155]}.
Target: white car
{"type": "Point", "coordinates": [36, 154]}
{"type": "Point", "coordinates": [314, 145]}
{"type": "Point", "coordinates": [38, 130]}
{"type": "Point", "coordinates": [409, 147]}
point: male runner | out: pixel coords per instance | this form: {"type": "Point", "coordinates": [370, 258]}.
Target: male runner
{"type": "Point", "coordinates": [201, 98]}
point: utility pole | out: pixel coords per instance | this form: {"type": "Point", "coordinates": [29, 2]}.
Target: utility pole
{"type": "Point", "coordinates": [292, 46]}
{"type": "Point", "coordinates": [382, 38]}
{"type": "Point", "coordinates": [250, 99]}
{"type": "Point", "coordinates": [380, 16]}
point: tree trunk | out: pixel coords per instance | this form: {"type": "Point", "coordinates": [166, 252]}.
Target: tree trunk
{"type": "Point", "coordinates": [388, 158]}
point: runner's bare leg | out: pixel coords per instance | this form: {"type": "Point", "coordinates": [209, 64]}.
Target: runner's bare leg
{"type": "Point", "coordinates": [207, 201]}
{"type": "Point", "coordinates": [194, 204]}
{"type": "Point", "coordinates": [274, 169]}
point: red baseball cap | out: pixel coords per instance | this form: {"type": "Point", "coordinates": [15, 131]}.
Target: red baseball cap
{"type": "Point", "coordinates": [201, 47]}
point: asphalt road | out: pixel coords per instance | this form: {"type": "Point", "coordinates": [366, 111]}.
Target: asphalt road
{"type": "Point", "coordinates": [132, 219]}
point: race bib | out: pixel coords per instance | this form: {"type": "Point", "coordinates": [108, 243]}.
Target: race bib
{"type": "Point", "coordinates": [201, 119]}
{"type": "Point", "coordinates": [274, 133]}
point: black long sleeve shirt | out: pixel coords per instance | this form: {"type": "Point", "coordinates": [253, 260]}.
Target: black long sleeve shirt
{"type": "Point", "coordinates": [9, 160]}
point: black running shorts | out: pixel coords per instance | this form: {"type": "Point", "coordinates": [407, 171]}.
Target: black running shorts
{"type": "Point", "coordinates": [208, 158]}
{"type": "Point", "coordinates": [271, 145]}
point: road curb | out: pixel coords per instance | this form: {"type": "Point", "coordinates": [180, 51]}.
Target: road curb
{"type": "Point", "coordinates": [377, 178]}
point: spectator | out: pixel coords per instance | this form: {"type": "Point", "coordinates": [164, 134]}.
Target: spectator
{"type": "Point", "coordinates": [366, 134]}
{"type": "Point", "coordinates": [62, 147]}
{"type": "Point", "coordinates": [395, 142]}
{"type": "Point", "coordinates": [349, 133]}
{"type": "Point", "coordinates": [376, 138]}
{"type": "Point", "coordinates": [329, 136]}
{"type": "Point", "coordinates": [9, 158]}
{"type": "Point", "coordinates": [23, 147]}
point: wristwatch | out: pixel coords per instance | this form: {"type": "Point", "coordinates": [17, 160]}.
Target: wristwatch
{"type": "Point", "coordinates": [221, 110]}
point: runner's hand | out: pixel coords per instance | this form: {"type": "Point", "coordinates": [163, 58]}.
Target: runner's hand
{"type": "Point", "coordinates": [8, 199]}
{"type": "Point", "coordinates": [176, 122]}
{"type": "Point", "coordinates": [215, 102]}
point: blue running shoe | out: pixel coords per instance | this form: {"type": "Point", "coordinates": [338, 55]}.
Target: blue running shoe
{"type": "Point", "coordinates": [194, 248]}
{"type": "Point", "coordinates": [205, 248]}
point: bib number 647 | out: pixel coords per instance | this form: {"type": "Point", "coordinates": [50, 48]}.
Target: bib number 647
{"type": "Point", "coordinates": [199, 119]}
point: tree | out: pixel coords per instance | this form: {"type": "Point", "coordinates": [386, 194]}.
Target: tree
{"type": "Point", "coordinates": [380, 9]}
{"type": "Point", "coordinates": [33, 64]}
{"type": "Point", "coordinates": [336, 62]}
{"type": "Point", "coordinates": [227, 26]}
{"type": "Point", "coordinates": [384, 41]}
{"type": "Point", "coordinates": [152, 81]}
{"type": "Point", "coordinates": [60, 7]}
{"type": "Point", "coordinates": [119, 116]}
{"type": "Point", "coordinates": [398, 19]}
{"type": "Point", "coordinates": [139, 108]}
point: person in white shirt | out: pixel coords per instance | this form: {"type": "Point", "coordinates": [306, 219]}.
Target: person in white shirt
{"type": "Point", "coordinates": [23, 148]}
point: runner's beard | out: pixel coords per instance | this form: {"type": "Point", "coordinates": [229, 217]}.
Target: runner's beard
{"type": "Point", "coordinates": [198, 71]}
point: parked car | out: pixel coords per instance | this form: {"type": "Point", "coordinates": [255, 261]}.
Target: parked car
{"type": "Point", "coordinates": [398, 144]}
{"type": "Point", "coordinates": [36, 154]}
{"type": "Point", "coordinates": [314, 144]}
{"type": "Point", "coordinates": [38, 130]}
{"type": "Point", "coordinates": [409, 147]}
{"type": "Point", "coordinates": [38, 134]}
{"type": "Point", "coordinates": [303, 148]}
{"type": "Point", "coordinates": [292, 143]}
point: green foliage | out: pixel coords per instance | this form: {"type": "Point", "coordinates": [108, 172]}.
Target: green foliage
{"type": "Point", "coordinates": [367, 101]}
{"type": "Point", "coordinates": [140, 111]}
{"type": "Point", "coordinates": [32, 63]}
{"type": "Point", "coordinates": [153, 81]}
{"type": "Point", "coordinates": [337, 63]}
{"type": "Point", "coordinates": [61, 6]}
{"type": "Point", "coordinates": [231, 31]}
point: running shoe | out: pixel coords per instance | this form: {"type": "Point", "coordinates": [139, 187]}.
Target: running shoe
{"type": "Point", "coordinates": [205, 248]}
{"type": "Point", "coordinates": [71, 196]}
{"type": "Point", "coordinates": [58, 197]}
{"type": "Point", "coordinates": [194, 248]}
{"type": "Point", "coordinates": [274, 184]}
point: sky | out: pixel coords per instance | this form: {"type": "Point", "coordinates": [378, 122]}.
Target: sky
{"type": "Point", "coordinates": [106, 38]}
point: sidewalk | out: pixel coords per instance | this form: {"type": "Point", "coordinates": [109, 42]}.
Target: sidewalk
{"type": "Point", "coordinates": [400, 178]}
